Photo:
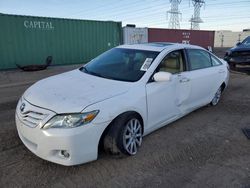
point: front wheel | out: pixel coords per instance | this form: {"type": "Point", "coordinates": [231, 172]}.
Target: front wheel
{"type": "Point", "coordinates": [232, 66]}
{"type": "Point", "coordinates": [124, 135]}
{"type": "Point", "coordinates": [217, 97]}
{"type": "Point", "coordinates": [132, 136]}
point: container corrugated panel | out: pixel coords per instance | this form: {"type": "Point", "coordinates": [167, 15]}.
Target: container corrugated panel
{"type": "Point", "coordinates": [133, 35]}
{"type": "Point", "coordinates": [195, 37]}
{"type": "Point", "coordinates": [26, 40]}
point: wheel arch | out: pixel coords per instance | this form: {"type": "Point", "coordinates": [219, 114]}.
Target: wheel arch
{"type": "Point", "coordinates": [100, 143]}
{"type": "Point", "coordinates": [223, 86]}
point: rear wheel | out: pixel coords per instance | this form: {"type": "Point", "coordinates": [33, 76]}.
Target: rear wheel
{"type": "Point", "coordinates": [217, 97]}
{"type": "Point", "coordinates": [124, 135]}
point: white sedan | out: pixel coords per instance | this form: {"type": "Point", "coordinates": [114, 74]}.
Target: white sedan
{"type": "Point", "coordinates": [116, 99]}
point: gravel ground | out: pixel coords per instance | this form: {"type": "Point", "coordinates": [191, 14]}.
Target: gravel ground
{"type": "Point", "coordinates": [204, 149]}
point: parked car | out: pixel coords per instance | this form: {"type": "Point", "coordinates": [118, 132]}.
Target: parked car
{"type": "Point", "coordinates": [240, 54]}
{"type": "Point", "coordinates": [116, 99]}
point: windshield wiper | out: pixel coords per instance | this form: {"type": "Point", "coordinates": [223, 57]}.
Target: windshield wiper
{"type": "Point", "coordinates": [84, 69]}
{"type": "Point", "coordinates": [96, 74]}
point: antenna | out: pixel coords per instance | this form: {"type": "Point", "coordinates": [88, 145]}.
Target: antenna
{"type": "Point", "coordinates": [196, 19]}
{"type": "Point", "coordinates": [174, 22]}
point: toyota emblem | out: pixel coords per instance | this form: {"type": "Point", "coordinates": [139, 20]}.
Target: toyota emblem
{"type": "Point", "coordinates": [22, 107]}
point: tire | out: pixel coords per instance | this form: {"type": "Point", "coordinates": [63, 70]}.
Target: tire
{"type": "Point", "coordinates": [124, 136]}
{"type": "Point", "coordinates": [217, 97]}
{"type": "Point", "coordinates": [232, 66]}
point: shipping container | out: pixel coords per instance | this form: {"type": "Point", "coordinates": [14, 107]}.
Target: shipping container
{"type": "Point", "coordinates": [26, 40]}
{"type": "Point", "coordinates": [195, 37]}
{"type": "Point", "coordinates": [133, 35]}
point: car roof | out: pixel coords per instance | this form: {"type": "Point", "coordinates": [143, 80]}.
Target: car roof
{"type": "Point", "coordinates": [158, 46]}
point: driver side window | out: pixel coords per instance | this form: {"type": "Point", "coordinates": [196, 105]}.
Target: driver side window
{"type": "Point", "coordinates": [172, 63]}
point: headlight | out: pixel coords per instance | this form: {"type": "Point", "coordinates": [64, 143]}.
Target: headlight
{"type": "Point", "coordinates": [71, 120]}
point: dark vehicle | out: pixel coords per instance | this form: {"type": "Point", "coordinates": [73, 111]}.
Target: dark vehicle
{"type": "Point", "coordinates": [240, 54]}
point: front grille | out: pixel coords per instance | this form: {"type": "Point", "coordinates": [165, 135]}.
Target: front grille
{"type": "Point", "coordinates": [241, 53]}
{"type": "Point", "coordinates": [31, 115]}
{"type": "Point", "coordinates": [32, 118]}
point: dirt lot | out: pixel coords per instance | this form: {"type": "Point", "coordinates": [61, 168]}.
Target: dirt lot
{"type": "Point", "coordinates": [204, 149]}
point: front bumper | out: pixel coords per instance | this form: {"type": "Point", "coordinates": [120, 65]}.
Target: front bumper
{"type": "Point", "coordinates": [81, 142]}
{"type": "Point", "coordinates": [239, 60]}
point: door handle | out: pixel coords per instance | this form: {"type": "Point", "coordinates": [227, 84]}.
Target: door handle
{"type": "Point", "coordinates": [184, 80]}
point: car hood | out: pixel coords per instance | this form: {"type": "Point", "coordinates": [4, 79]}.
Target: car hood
{"type": "Point", "coordinates": [240, 48]}
{"type": "Point", "coordinates": [73, 91]}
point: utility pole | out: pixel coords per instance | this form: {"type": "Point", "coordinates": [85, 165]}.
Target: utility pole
{"type": "Point", "coordinates": [239, 37]}
{"type": "Point", "coordinates": [174, 22]}
{"type": "Point", "coordinates": [196, 19]}
{"type": "Point", "coordinates": [221, 39]}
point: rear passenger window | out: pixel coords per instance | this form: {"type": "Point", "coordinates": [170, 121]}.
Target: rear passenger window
{"type": "Point", "coordinates": [198, 59]}
{"type": "Point", "coordinates": [215, 61]}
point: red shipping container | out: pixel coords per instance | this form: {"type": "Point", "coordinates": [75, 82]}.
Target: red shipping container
{"type": "Point", "coordinates": [196, 37]}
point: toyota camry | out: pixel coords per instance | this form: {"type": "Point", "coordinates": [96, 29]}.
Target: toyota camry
{"type": "Point", "coordinates": [116, 99]}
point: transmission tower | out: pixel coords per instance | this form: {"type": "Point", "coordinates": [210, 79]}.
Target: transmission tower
{"type": "Point", "coordinates": [196, 19]}
{"type": "Point", "coordinates": [174, 22]}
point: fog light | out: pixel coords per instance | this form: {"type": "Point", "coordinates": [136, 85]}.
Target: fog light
{"type": "Point", "coordinates": [65, 153]}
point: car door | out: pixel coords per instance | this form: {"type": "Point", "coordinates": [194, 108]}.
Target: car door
{"type": "Point", "coordinates": [203, 78]}
{"type": "Point", "coordinates": [162, 97]}
{"type": "Point", "coordinates": [221, 71]}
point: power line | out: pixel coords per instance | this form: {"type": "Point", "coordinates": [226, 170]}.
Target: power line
{"type": "Point", "coordinates": [111, 7]}
{"type": "Point", "coordinates": [125, 12]}
{"type": "Point", "coordinates": [130, 13]}
{"type": "Point", "coordinates": [154, 14]}
{"type": "Point", "coordinates": [104, 5]}
{"type": "Point", "coordinates": [162, 23]}
{"type": "Point", "coordinates": [214, 19]}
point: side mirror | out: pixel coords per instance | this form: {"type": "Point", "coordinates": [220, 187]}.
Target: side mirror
{"type": "Point", "coordinates": [238, 43]}
{"type": "Point", "coordinates": [162, 76]}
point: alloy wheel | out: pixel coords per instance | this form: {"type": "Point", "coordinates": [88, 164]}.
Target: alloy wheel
{"type": "Point", "coordinates": [216, 98]}
{"type": "Point", "coordinates": [132, 137]}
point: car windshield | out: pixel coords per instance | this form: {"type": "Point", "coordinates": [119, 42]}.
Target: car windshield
{"type": "Point", "coordinates": [246, 41]}
{"type": "Point", "coordinates": [121, 64]}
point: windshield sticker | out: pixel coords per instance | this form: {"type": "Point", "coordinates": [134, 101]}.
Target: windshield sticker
{"type": "Point", "coordinates": [146, 64]}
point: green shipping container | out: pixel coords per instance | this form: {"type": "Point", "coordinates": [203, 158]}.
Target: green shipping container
{"type": "Point", "coordinates": [26, 40]}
